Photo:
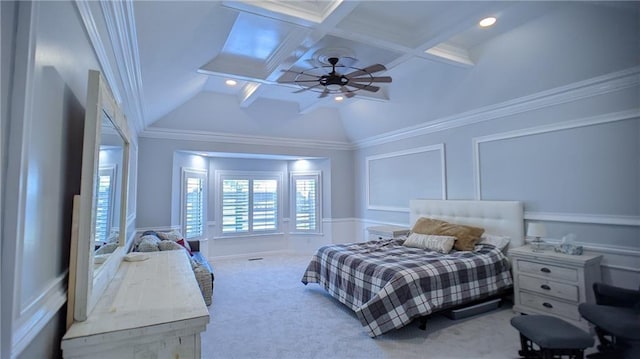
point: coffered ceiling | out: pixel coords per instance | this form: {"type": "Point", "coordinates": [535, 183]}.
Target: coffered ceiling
{"type": "Point", "coordinates": [190, 49]}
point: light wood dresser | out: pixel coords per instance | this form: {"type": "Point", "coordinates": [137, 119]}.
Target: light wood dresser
{"type": "Point", "coordinates": [151, 309]}
{"type": "Point", "coordinates": [553, 283]}
{"type": "Point", "coordinates": [386, 232]}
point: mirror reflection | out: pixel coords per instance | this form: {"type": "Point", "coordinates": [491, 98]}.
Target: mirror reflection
{"type": "Point", "coordinates": [108, 191]}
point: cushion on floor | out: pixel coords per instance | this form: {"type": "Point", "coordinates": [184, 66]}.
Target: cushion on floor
{"type": "Point", "coordinates": [551, 332]}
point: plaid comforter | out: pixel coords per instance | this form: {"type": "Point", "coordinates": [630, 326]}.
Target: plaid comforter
{"type": "Point", "coordinates": [388, 285]}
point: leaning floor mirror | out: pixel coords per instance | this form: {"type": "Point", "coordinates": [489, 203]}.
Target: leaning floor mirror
{"type": "Point", "coordinates": [99, 236]}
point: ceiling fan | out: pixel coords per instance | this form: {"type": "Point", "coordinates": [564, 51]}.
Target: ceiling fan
{"type": "Point", "coordinates": [317, 80]}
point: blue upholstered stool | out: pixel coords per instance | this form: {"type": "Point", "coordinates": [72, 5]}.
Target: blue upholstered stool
{"type": "Point", "coordinates": [554, 336]}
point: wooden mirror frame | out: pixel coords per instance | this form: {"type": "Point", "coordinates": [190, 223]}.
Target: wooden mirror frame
{"type": "Point", "coordinates": [89, 284]}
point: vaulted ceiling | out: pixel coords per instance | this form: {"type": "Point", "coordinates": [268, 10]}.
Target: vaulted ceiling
{"type": "Point", "coordinates": [441, 61]}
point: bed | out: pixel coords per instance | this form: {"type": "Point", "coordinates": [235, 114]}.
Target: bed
{"type": "Point", "coordinates": [388, 285]}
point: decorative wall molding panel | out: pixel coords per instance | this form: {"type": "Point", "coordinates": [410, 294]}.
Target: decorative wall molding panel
{"type": "Point", "coordinates": [401, 170]}
{"type": "Point", "coordinates": [545, 129]}
{"type": "Point", "coordinates": [583, 218]}
{"type": "Point", "coordinates": [38, 313]}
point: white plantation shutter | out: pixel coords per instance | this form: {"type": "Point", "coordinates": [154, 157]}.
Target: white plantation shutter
{"type": "Point", "coordinates": [265, 205]}
{"type": "Point", "coordinates": [306, 202]}
{"type": "Point", "coordinates": [193, 203]}
{"type": "Point", "coordinates": [104, 203]}
{"type": "Point", "coordinates": [235, 206]}
{"type": "Point", "coordinates": [249, 202]}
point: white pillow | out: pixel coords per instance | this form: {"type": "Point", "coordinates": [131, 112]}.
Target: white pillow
{"type": "Point", "coordinates": [442, 244]}
{"type": "Point", "coordinates": [499, 242]}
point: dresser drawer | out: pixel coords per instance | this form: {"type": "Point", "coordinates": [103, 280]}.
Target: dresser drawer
{"type": "Point", "coordinates": [549, 287]}
{"type": "Point", "coordinates": [548, 271]}
{"type": "Point", "coordinates": [549, 305]}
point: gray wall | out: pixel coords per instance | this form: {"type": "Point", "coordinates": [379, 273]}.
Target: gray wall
{"type": "Point", "coordinates": [46, 55]}
{"type": "Point", "coordinates": [157, 171]}
{"type": "Point", "coordinates": [575, 165]}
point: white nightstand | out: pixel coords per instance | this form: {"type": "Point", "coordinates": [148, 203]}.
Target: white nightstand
{"type": "Point", "coordinates": [553, 283]}
{"type": "Point", "coordinates": [386, 232]}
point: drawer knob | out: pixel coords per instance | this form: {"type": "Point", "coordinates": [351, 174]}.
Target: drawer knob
{"type": "Point", "coordinates": [545, 287]}
{"type": "Point", "coordinates": [545, 270]}
{"type": "Point", "coordinates": [547, 305]}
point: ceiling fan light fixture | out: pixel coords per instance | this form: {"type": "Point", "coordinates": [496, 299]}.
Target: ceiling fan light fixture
{"type": "Point", "coordinates": [339, 98]}
{"type": "Point", "coordinates": [231, 82]}
{"type": "Point", "coordinates": [329, 80]}
{"type": "Point", "coordinates": [487, 21]}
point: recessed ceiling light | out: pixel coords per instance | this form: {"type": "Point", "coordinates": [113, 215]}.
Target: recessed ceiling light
{"type": "Point", "coordinates": [488, 21]}
{"type": "Point", "coordinates": [339, 98]}
{"type": "Point", "coordinates": [231, 82]}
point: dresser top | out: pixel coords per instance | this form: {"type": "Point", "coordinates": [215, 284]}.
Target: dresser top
{"type": "Point", "coordinates": [550, 254]}
{"type": "Point", "coordinates": [156, 291]}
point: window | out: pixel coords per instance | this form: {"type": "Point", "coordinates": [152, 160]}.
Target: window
{"type": "Point", "coordinates": [193, 202]}
{"type": "Point", "coordinates": [105, 189]}
{"type": "Point", "coordinates": [249, 201]}
{"type": "Point", "coordinates": [305, 207]}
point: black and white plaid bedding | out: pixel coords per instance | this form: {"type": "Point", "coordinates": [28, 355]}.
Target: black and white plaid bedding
{"type": "Point", "coordinates": [388, 285]}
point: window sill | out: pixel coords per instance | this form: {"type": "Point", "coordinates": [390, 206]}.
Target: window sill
{"type": "Point", "coordinates": [252, 235]}
{"type": "Point", "coordinates": [307, 233]}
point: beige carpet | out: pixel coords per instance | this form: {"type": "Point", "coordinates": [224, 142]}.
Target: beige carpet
{"type": "Point", "coordinates": [262, 310]}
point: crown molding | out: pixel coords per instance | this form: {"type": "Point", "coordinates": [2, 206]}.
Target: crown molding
{"type": "Point", "coordinates": [205, 136]}
{"type": "Point", "coordinates": [120, 20]}
{"type": "Point", "coordinates": [599, 85]}
{"type": "Point", "coordinates": [90, 26]}
{"type": "Point", "coordinates": [121, 33]}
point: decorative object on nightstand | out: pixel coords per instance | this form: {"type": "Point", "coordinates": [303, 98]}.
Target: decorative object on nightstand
{"type": "Point", "coordinates": [568, 245]}
{"type": "Point", "coordinates": [551, 283]}
{"type": "Point", "coordinates": [536, 230]}
{"type": "Point", "coordinates": [386, 232]}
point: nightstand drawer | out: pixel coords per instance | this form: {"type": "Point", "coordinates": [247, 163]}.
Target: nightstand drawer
{"type": "Point", "coordinates": [547, 287]}
{"type": "Point", "coordinates": [550, 306]}
{"type": "Point", "coordinates": [548, 271]}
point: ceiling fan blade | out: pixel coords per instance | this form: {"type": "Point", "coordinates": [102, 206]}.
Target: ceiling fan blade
{"type": "Point", "coordinates": [372, 79]}
{"type": "Point", "coordinates": [324, 93]}
{"type": "Point", "coordinates": [305, 89]}
{"type": "Point", "coordinates": [346, 92]}
{"type": "Point", "coordinates": [296, 81]}
{"type": "Point", "coordinates": [364, 87]}
{"type": "Point", "coordinates": [367, 70]}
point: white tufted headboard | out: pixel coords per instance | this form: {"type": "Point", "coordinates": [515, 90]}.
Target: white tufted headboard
{"type": "Point", "coordinates": [496, 217]}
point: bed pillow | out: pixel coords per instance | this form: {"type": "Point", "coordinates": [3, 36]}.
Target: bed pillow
{"type": "Point", "coordinates": [426, 225]}
{"type": "Point", "coordinates": [466, 236]}
{"type": "Point", "coordinates": [442, 244]}
{"type": "Point", "coordinates": [175, 236]}
{"type": "Point", "coordinates": [169, 246]}
{"type": "Point", "coordinates": [499, 242]}
{"type": "Point", "coordinates": [148, 243]}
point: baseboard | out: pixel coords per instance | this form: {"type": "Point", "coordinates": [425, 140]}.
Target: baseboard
{"type": "Point", "coordinates": [249, 256]}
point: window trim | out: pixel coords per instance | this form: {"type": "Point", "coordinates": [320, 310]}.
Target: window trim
{"type": "Point", "coordinates": [293, 175]}
{"type": "Point", "coordinates": [187, 172]}
{"type": "Point", "coordinates": [250, 175]}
